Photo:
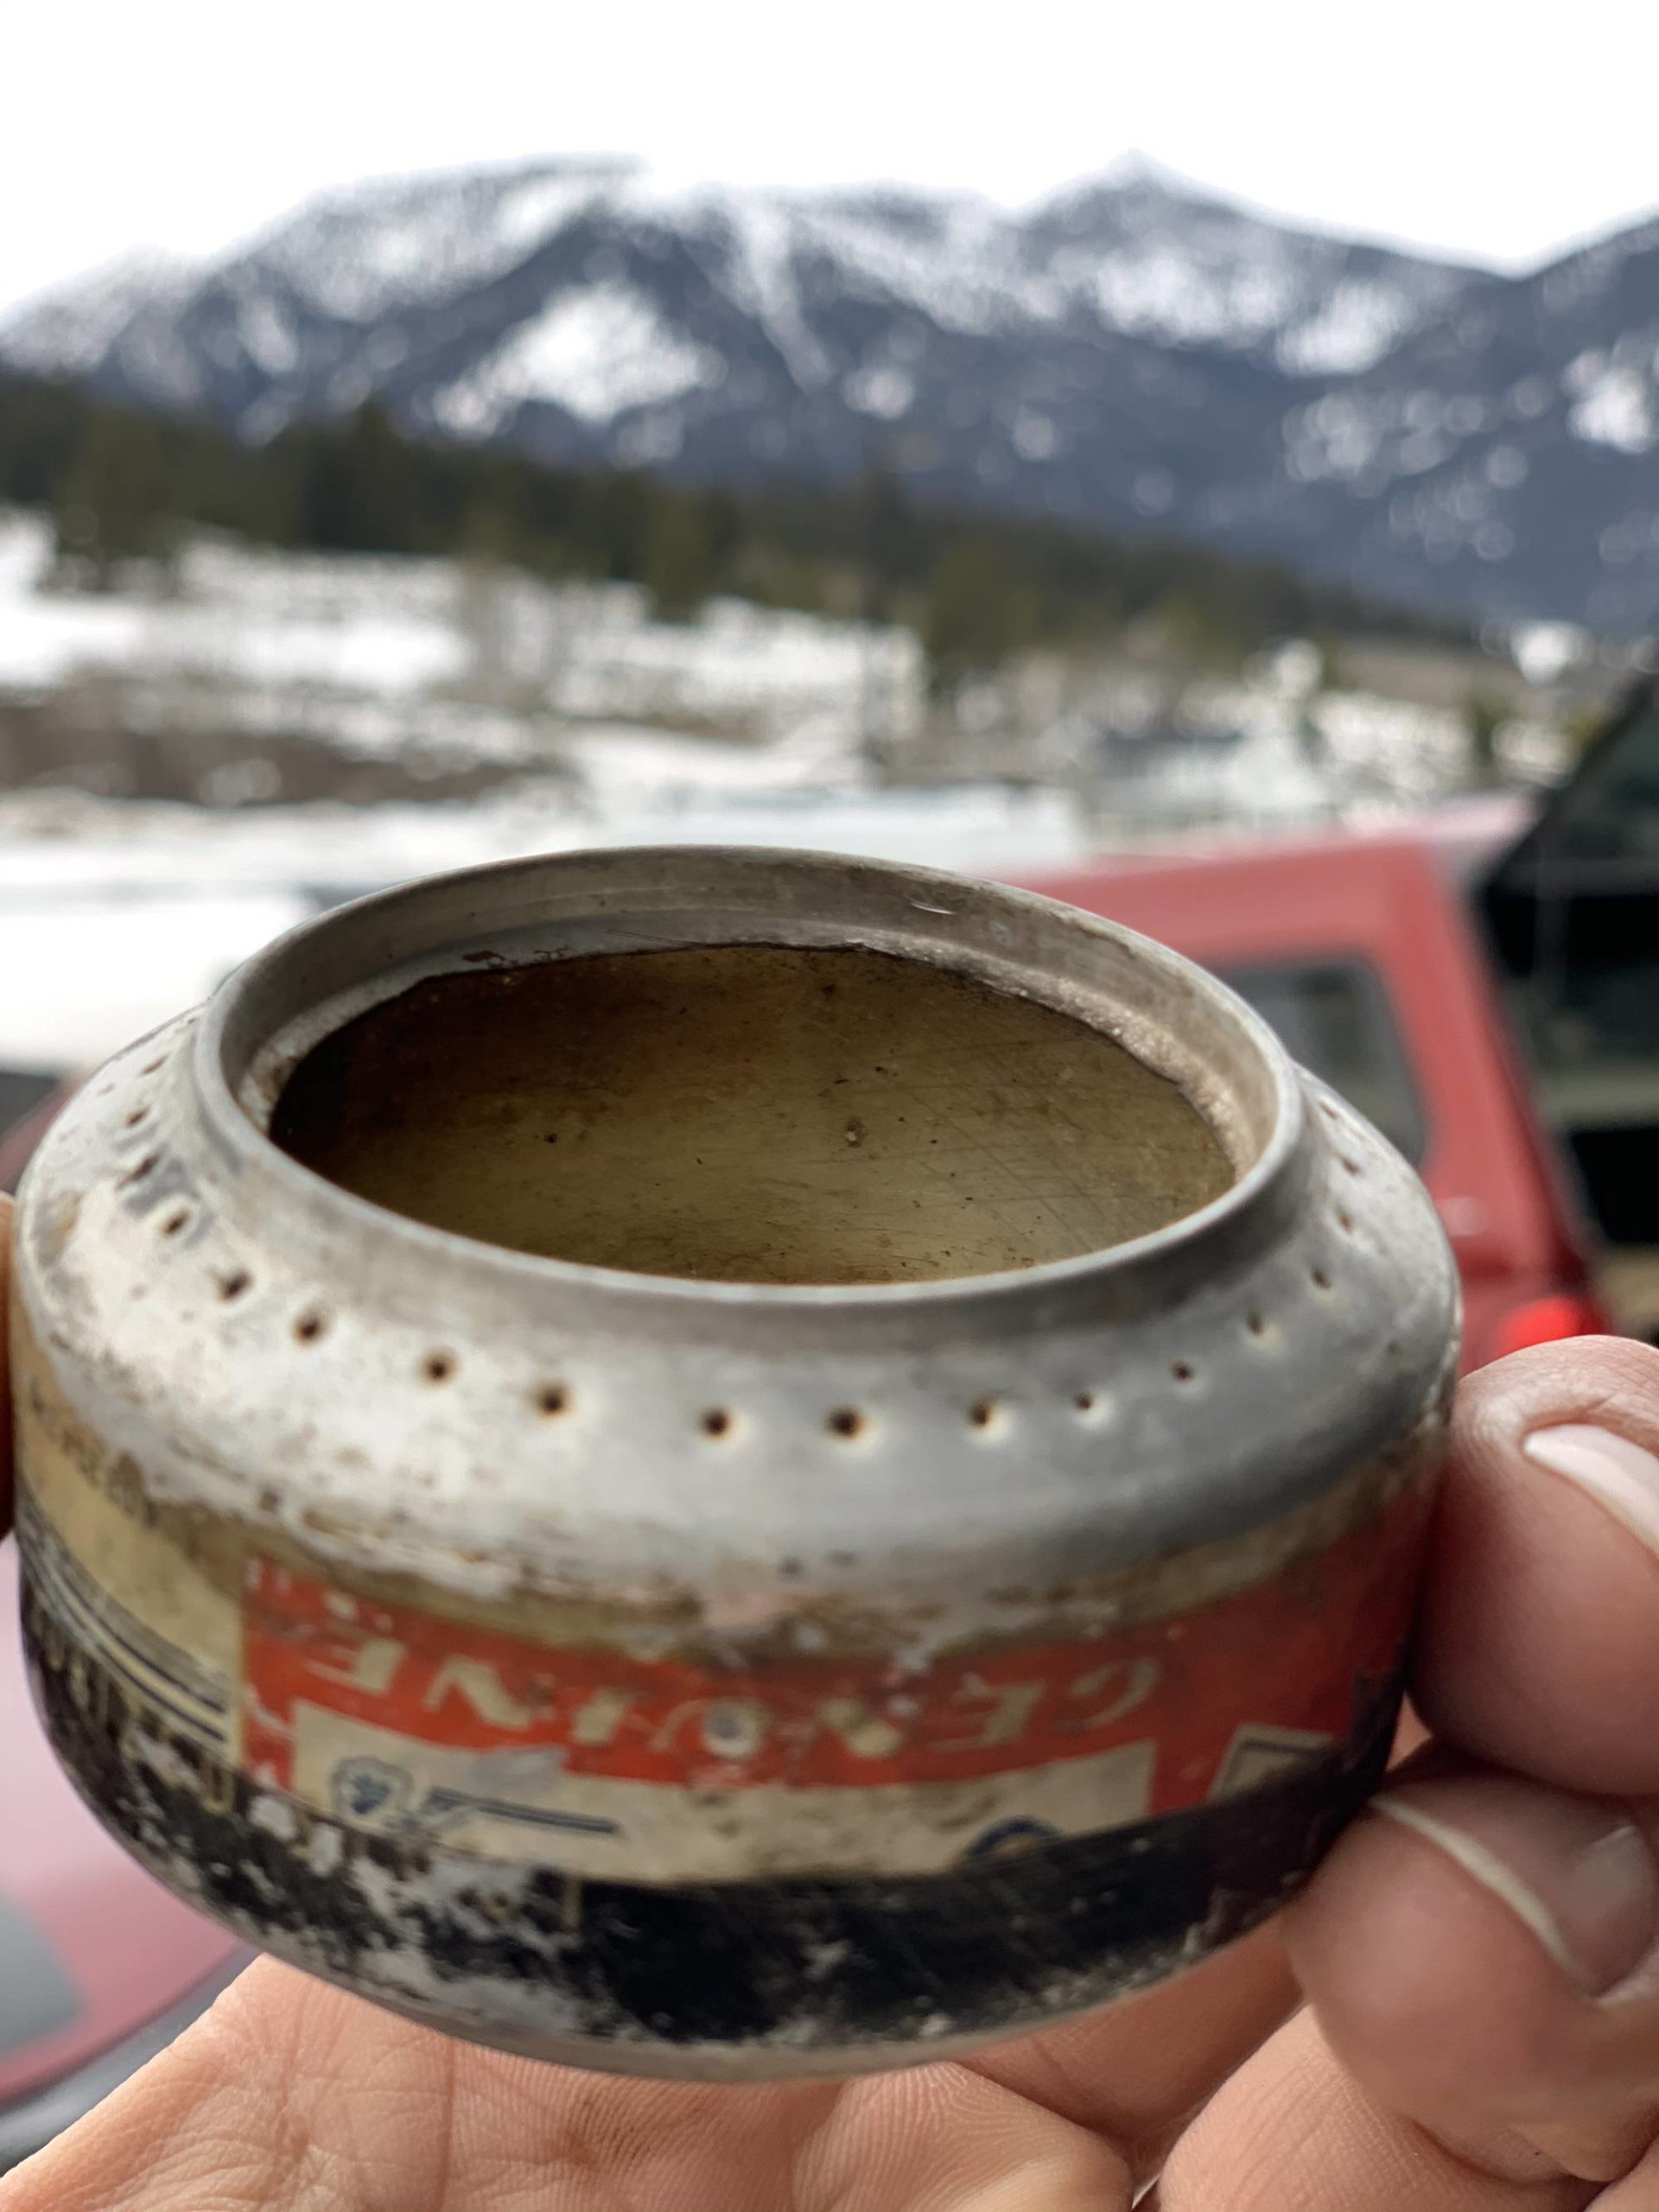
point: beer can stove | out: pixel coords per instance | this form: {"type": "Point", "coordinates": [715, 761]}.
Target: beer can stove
{"type": "Point", "coordinates": [723, 1463]}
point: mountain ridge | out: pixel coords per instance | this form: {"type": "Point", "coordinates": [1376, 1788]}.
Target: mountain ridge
{"type": "Point", "coordinates": [1131, 351]}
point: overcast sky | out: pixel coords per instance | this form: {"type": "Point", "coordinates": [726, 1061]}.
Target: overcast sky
{"type": "Point", "coordinates": [1489, 132]}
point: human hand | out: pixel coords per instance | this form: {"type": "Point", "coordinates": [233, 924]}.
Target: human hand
{"type": "Point", "coordinates": [1481, 1952]}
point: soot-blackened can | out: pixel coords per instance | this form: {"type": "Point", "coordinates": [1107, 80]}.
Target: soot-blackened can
{"type": "Point", "coordinates": [723, 1463]}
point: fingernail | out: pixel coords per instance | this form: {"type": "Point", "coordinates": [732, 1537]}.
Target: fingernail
{"type": "Point", "coordinates": [1576, 1872]}
{"type": "Point", "coordinates": [1622, 1478]}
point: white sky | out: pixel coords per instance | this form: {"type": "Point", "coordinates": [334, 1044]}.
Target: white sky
{"type": "Point", "coordinates": [1495, 132]}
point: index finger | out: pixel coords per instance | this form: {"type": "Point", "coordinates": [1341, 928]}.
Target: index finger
{"type": "Point", "coordinates": [1538, 1642]}
{"type": "Point", "coordinates": [1484, 1965]}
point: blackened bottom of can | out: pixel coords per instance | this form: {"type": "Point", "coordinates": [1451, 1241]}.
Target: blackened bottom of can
{"type": "Point", "coordinates": [739, 1980]}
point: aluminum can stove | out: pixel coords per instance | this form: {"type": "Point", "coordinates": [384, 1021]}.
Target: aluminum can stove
{"type": "Point", "coordinates": [724, 1463]}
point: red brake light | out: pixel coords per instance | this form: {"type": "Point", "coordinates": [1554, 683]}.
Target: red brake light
{"type": "Point", "coordinates": [1547, 1320]}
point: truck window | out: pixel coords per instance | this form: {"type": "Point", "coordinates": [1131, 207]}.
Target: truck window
{"type": "Point", "coordinates": [1573, 915]}
{"type": "Point", "coordinates": [1334, 1017]}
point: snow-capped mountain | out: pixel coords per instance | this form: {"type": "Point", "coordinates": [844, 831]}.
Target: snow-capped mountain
{"type": "Point", "coordinates": [70, 332]}
{"type": "Point", "coordinates": [1132, 352]}
{"type": "Point", "coordinates": [1506, 453]}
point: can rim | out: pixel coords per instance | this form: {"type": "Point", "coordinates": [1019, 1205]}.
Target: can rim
{"type": "Point", "coordinates": [239, 1060]}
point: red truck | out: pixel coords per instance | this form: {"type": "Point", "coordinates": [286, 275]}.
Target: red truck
{"type": "Point", "coordinates": [1363, 953]}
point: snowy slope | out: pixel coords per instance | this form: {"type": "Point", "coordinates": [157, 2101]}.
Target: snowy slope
{"type": "Point", "coordinates": [1132, 351]}
{"type": "Point", "coordinates": [1517, 440]}
{"type": "Point", "coordinates": [69, 331]}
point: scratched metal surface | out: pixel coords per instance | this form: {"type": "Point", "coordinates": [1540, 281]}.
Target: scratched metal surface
{"type": "Point", "coordinates": [258, 1411]}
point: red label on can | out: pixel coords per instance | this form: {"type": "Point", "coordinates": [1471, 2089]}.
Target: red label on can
{"type": "Point", "coordinates": [1200, 1703]}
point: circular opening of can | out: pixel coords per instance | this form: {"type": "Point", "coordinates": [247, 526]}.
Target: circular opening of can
{"type": "Point", "coordinates": [750, 1113]}
{"type": "Point", "coordinates": [772, 1069]}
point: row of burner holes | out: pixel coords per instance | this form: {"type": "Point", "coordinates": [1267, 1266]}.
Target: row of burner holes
{"type": "Point", "coordinates": [848, 1423]}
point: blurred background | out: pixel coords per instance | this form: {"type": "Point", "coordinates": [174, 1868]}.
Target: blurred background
{"type": "Point", "coordinates": [741, 424]}
{"type": "Point", "coordinates": [1101, 446]}
{"type": "Point", "coordinates": [1101, 442]}
{"type": "Point", "coordinates": [1205, 465]}
{"type": "Point", "coordinates": [1020, 454]}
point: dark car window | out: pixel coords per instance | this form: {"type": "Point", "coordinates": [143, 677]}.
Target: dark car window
{"type": "Point", "coordinates": [1609, 811]}
{"type": "Point", "coordinates": [1334, 1017]}
{"type": "Point", "coordinates": [1572, 913]}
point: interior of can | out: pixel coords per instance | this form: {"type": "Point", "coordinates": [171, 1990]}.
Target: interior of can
{"type": "Point", "coordinates": [754, 1112]}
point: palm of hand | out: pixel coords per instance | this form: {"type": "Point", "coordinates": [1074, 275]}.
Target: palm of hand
{"type": "Point", "coordinates": [295, 2095]}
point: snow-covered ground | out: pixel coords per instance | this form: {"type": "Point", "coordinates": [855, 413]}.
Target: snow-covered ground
{"type": "Point", "coordinates": [599, 727]}
{"type": "Point", "coordinates": [113, 917]}
{"type": "Point", "coordinates": [371, 644]}
{"type": "Point", "coordinates": [391, 647]}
